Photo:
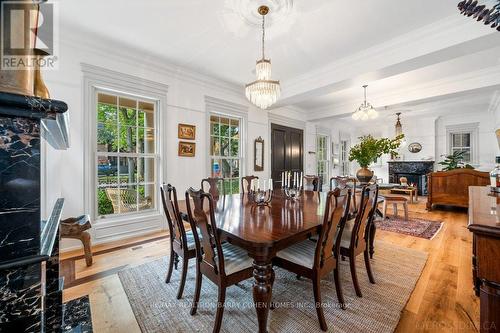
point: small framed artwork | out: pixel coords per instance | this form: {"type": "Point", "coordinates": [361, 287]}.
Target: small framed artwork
{"type": "Point", "coordinates": [258, 164]}
{"type": "Point", "coordinates": [414, 147]}
{"type": "Point", "coordinates": [187, 132]}
{"type": "Point", "coordinates": [187, 149]}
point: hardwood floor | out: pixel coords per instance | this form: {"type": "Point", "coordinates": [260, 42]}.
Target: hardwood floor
{"type": "Point", "coordinates": [443, 300]}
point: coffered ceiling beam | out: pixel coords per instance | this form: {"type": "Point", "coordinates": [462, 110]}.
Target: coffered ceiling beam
{"type": "Point", "coordinates": [465, 84]}
{"type": "Point", "coordinates": [448, 39]}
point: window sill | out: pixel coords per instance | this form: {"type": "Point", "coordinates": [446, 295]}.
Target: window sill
{"type": "Point", "coordinates": [125, 219]}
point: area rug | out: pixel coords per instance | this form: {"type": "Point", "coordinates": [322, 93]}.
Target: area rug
{"type": "Point", "coordinates": [396, 272]}
{"type": "Point", "coordinates": [414, 226]}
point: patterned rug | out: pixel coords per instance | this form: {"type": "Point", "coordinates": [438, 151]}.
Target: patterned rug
{"type": "Point", "coordinates": [396, 272]}
{"type": "Point", "coordinates": [414, 226]}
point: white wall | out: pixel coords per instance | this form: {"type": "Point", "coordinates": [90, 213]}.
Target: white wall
{"type": "Point", "coordinates": [488, 147]}
{"type": "Point", "coordinates": [64, 170]}
{"type": "Point", "coordinates": [429, 131]}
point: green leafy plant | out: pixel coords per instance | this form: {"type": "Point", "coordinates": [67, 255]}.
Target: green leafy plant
{"type": "Point", "coordinates": [369, 149]}
{"type": "Point", "coordinates": [455, 161]}
{"type": "Point", "coordinates": [103, 203]}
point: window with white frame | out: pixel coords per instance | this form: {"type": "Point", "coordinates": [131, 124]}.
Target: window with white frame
{"type": "Point", "coordinates": [461, 142]}
{"type": "Point", "coordinates": [463, 138]}
{"type": "Point", "coordinates": [344, 158]}
{"type": "Point", "coordinates": [226, 150]}
{"type": "Point", "coordinates": [322, 162]}
{"type": "Point", "coordinates": [126, 154]}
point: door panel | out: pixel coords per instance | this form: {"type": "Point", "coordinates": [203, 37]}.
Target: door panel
{"type": "Point", "coordinates": [295, 151]}
{"type": "Point", "coordinates": [286, 151]}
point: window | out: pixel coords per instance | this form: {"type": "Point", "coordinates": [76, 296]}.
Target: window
{"type": "Point", "coordinates": [322, 161]}
{"type": "Point", "coordinates": [225, 150]}
{"type": "Point", "coordinates": [463, 138]}
{"type": "Point", "coordinates": [126, 159]}
{"type": "Point", "coordinates": [461, 142]}
{"type": "Point", "coordinates": [344, 158]}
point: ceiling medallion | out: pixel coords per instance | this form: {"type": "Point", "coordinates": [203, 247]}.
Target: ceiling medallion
{"type": "Point", "coordinates": [365, 111]}
{"type": "Point", "coordinates": [281, 9]}
{"type": "Point", "coordinates": [263, 92]}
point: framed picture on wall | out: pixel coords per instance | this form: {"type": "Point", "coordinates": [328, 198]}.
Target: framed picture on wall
{"type": "Point", "coordinates": [187, 149]}
{"type": "Point", "coordinates": [187, 132]}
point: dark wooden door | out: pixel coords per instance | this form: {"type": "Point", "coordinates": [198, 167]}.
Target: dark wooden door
{"type": "Point", "coordinates": [287, 151]}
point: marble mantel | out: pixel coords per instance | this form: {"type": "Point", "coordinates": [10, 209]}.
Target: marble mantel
{"type": "Point", "coordinates": [30, 283]}
{"type": "Point", "coordinates": [415, 171]}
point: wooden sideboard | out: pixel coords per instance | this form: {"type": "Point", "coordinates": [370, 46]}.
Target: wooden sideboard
{"type": "Point", "coordinates": [452, 187]}
{"type": "Point", "coordinates": [484, 223]}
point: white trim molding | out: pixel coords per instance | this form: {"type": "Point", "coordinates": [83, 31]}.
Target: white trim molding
{"type": "Point", "coordinates": [285, 121]}
{"type": "Point", "coordinates": [225, 108]}
{"type": "Point", "coordinates": [96, 79]}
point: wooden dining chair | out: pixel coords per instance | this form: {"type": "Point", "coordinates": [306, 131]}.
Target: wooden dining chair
{"type": "Point", "coordinates": [356, 235]}
{"type": "Point", "coordinates": [182, 242]}
{"type": "Point", "coordinates": [248, 181]}
{"type": "Point", "coordinates": [222, 263]}
{"type": "Point", "coordinates": [213, 186]}
{"type": "Point", "coordinates": [346, 182]}
{"type": "Point", "coordinates": [316, 260]}
{"type": "Point", "coordinates": [311, 183]}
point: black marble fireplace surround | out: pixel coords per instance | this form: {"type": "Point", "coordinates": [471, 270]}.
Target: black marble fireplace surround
{"type": "Point", "coordinates": [415, 171]}
{"type": "Point", "coordinates": [30, 284]}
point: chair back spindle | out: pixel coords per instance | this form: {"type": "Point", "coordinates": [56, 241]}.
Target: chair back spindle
{"type": "Point", "coordinates": [212, 255]}
{"type": "Point", "coordinates": [336, 212]}
{"type": "Point", "coordinates": [311, 183]}
{"type": "Point", "coordinates": [171, 209]}
{"type": "Point", "coordinates": [248, 181]}
{"type": "Point", "coordinates": [365, 215]}
{"type": "Point", "coordinates": [346, 182]}
{"type": "Point", "coordinates": [213, 186]}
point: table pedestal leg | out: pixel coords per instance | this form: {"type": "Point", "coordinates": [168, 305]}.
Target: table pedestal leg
{"type": "Point", "coordinates": [262, 291]}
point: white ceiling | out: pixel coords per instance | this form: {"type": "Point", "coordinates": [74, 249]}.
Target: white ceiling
{"type": "Point", "coordinates": [205, 36]}
{"type": "Point", "coordinates": [460, 103]}
{"type": "Point", "coordinates": [322, 50]}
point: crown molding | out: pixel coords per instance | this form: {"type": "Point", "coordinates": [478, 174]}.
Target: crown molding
{"type": "Point", "coordinates": [286, 121]}
{"type": "Point", "coordinates": [220, 105]}
{"type": "Point", "coordinates": [88, 41]}
{"type": "Point", "coordinates": [104, 74]}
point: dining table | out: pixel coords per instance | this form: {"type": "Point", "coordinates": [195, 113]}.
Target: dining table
{"type": "Point", "coordinates": [262, 231]}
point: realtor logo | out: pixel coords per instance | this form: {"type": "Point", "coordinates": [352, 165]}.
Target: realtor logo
{"type": "Point", "coordinates": [28, 30]}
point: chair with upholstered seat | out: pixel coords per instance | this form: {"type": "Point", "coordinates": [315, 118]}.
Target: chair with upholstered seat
{"type": "Point", "coordinates": [316, 260]}
{"type": "Point", "coordinates": [213, 186]}
{"type": "Point", "coordinates": [182, 242]}
{"type": "Point", "coordinates": [223, 264]}
{"type": "Point", "coordinates": [248, 181]}
{"type": "Point", "coordinates": [356, 234]}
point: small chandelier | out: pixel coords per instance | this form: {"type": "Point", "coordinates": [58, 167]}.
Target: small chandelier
{"type": "Point", "coordinates": [365, 111]}
{"type": "Point", "coordinates": [399, 129]}
{"type": "Point", "coordinates": [263, 92]}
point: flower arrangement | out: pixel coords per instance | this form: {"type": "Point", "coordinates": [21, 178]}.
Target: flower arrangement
{"type": "Point", "coordinates": [369, 149]}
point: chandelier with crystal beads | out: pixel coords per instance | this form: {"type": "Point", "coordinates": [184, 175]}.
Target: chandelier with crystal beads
{"type": "Point", "coordinates": [263, 92]}
{"type": "Point", "coordinates": [365, 111]}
